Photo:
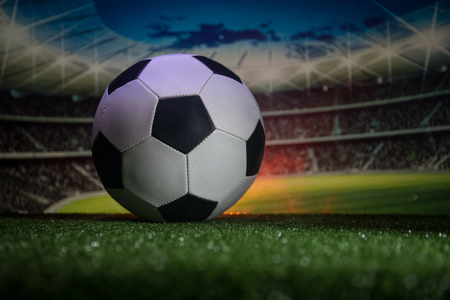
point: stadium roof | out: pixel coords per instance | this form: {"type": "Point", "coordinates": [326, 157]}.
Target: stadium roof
{"type": "Point", "coordinates": [64, 47]}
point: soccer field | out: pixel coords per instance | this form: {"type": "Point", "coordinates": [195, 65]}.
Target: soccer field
{"type": "Point", "coordinates": [295, 241]}
{"type": "Point", "coordinates": [233, 257]}
{"type": "Point", "coordinates": [400, 193]}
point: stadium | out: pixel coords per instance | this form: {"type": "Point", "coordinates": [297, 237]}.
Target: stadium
{"type": "Point", "coordinates": [352, 197]}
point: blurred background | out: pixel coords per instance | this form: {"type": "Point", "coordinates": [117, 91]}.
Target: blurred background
{"type": "Point", "coordinates": [354, 95]}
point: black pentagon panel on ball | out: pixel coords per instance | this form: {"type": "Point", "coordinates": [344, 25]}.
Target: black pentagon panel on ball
{"type": "Point", "coordinates": [187, 208]}
{"type": "Point", "coordinates": [182, 122]}
{"type": "Point", "coordinates": [218, 68]}
{"type": "Point", "coordinates": [255, 150]}
{"type": "Point", "coordinates": [128, 75]}
{"type": "Point", "coordinates": [108, 162]}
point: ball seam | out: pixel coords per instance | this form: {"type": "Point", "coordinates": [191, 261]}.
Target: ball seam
{"type": "Point", "coordinates": [187, 174]}
{"type": "Point", "coordinates": [229, 133]}
{"type": "Point", "coordinates": [204, 139]}
{"type": "Point", "coordinates": [156, 105]}
{"type": "Point", "coordinates": [205, 84]}
{"type": "Point", "coordinates": [170, 201]}
{"type": "Point", "coordinates": [136, 143]}
{"type": "Point", "coordinates": [240, 182]}
{"type": "Point", "coordinates": [140, 199]}
{"type": "Point", "coordinates": [101, 114]}
{"type": "Point", "coordinates": [157, 96]}
{"type": "Point", "coordinates": [176, 96]}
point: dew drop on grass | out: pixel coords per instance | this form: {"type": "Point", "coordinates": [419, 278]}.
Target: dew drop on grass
{"type": "Point", "coordinates": [410, 281]}
{"type": "Point", "coordinates": [276, 259]}
{"type": "Point", "coordinates": [359, 280]}
{"type": "Point", "coordinates": [445, 283]}
{"type": "Point", "coordinates": [96, 263]}
{"type": "Point", "coordinates": [304, 261]}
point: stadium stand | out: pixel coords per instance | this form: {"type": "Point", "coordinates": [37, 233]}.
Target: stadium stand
{"type": "Point", "coordinates": [36, 105]}
{"type": "Point", "coordinates": [371, 127]}
{"type": "Point", "coordinates": [423, 152]}
{"type": "Point", "coordinates": [33, 185]}
{"type": "Point", "coordinates": [433, 111]}
{"type": "Point", "coordinates": [359, 92]}
{"type": "Point", "coordinates": [29, 137]}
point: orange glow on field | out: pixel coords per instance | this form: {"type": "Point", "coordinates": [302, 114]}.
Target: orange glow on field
{"type": "Point", "coordinates": [341, 194]}
{"type": "Point", "coordinates": [271, 195]}
{"type": "Point", "coordinates": [291, 195]}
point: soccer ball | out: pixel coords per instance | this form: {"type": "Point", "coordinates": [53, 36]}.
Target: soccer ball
{"type": "Point", "coordinates": [177, 138]}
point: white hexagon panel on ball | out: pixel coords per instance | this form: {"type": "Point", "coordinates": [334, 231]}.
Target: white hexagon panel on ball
{"type": "Point", "coordinates": [231, 106]}
{"type": "Point", "coordinates": [175, 75]}
{"type": "Point", "coordinates": [154, 172]}
{"type": "Point", "coordinates": [216, 166]}
{"type": "Point", "coordinates": [135, 204]}
{"type": "Point", "coordinates": [233, 197]}
{"type": "Point", "coordinates": [132, 101]}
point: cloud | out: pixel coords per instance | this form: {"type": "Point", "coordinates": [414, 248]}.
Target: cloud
{"type": "Point", "coordinates": [210, 35]}
{"type": "Point", "coordinates": [303, 35]}
{"type": "Point", "coordinates": [323, 28]}
{"type": "Point", "coordinates": [325, 37]}
{"type": "Point", "coordinates": [373, 21]}
{"type": "Point", "coordinates": [158, 30]}
{"type": "Point", "coordinates": [349, 27]}
{"type": "Point", "coordinates": [273, 35]}
{"type": "Point", "coordinates": [265, 25]}
{"type": "Point", "coordinates": [170, 19]}
{"type": "Point", "coordinates": [311, 35]}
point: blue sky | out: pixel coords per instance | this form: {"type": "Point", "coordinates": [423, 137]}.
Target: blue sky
{"type": "Point", "coordinates": [188, 24]}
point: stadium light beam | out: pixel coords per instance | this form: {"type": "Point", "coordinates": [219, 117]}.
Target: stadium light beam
{"type": "Point", "coordinates": [8, 41]}
{"type": "Point", "coordinates": [54, 63]}
{"type": "Point", "coordinates": [34, 45]}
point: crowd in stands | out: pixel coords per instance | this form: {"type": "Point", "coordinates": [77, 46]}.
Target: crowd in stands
{"type": "Point", "coordinates": [35, 105]}
{"type": "Point", "coordinates": [408, 115]}
{"type": "Point", "coordinates": [299, 126]}
{"type": "Point", "coordinates": [31, 137]}
{"type": "Point", "coordinates": [33, 185]}
{"type": "Point", "coordinates": [429, 152]}
{"type": "Point", "coordinates": [50, 180]}
{"type": "Point", "coordinates": [358, 92]}
{"type": "Point", "coordinates": [49, 106]}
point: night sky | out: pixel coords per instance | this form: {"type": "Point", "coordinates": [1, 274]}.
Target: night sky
{"type": "Point", "coordinates": [188, 24]}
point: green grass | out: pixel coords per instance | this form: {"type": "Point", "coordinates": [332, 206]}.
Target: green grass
{"type": "Point", "coordinates": [93, 205]}
{"type": "Point", "coordinates": [402, 193]}
{"type": "Point", "coordinates": [311, 256]}
{"type": "Point", "coordinates": [355, 236]}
